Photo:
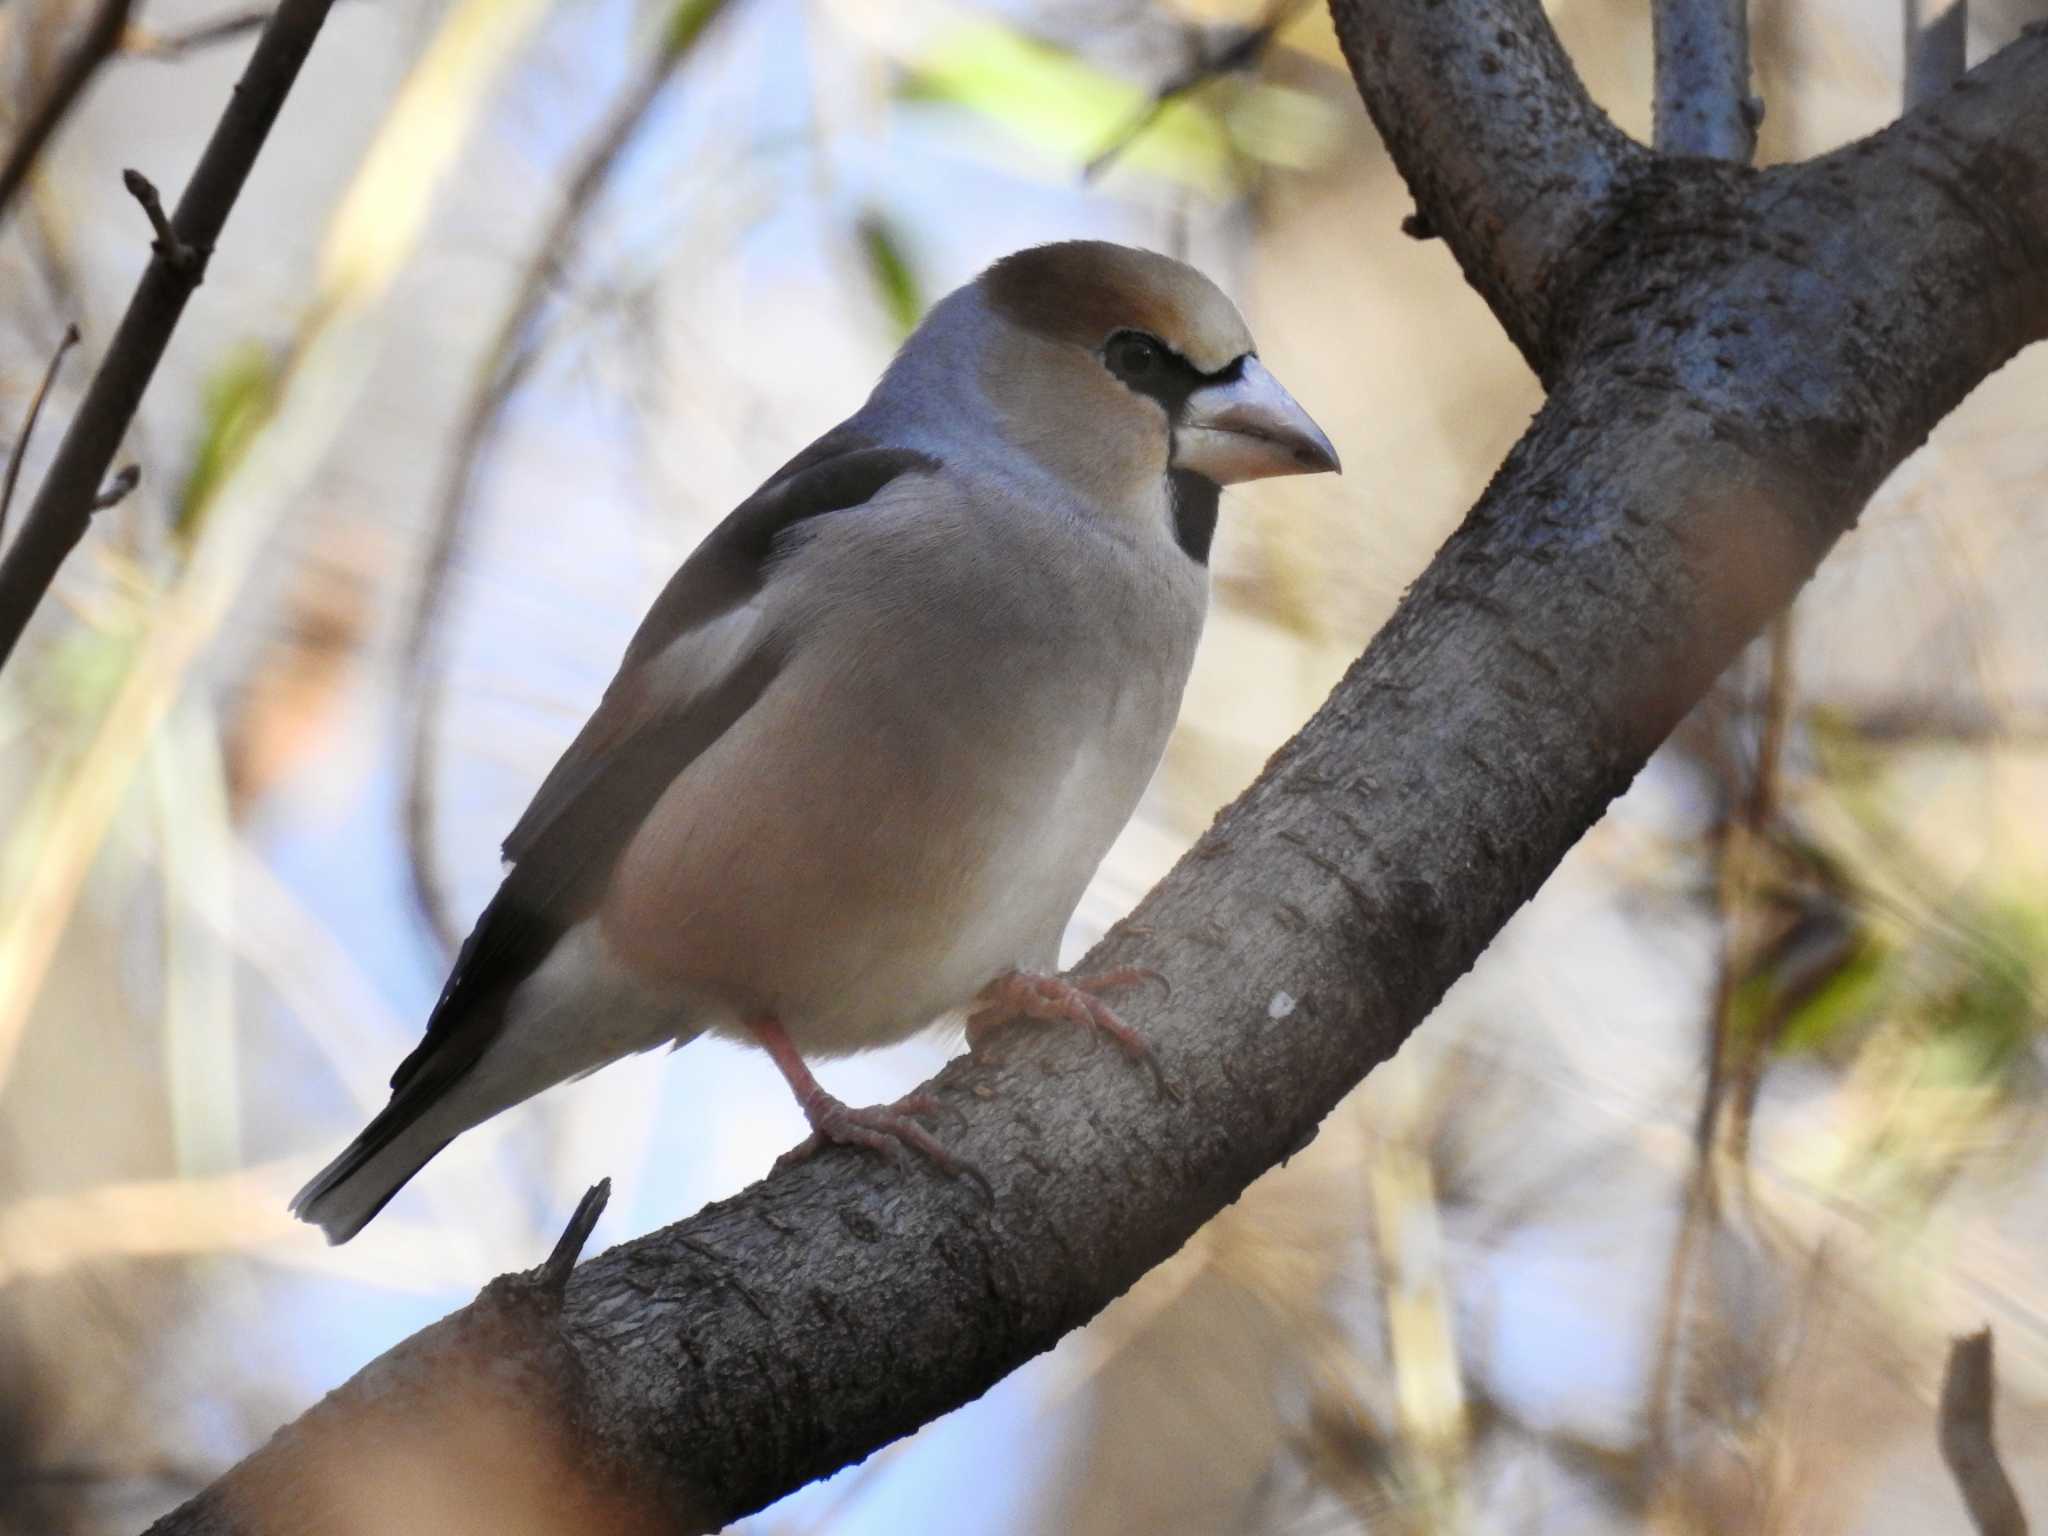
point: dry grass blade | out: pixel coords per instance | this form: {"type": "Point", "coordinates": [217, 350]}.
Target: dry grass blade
{"type": "Point", "coordinates": [187, 780]}
{"type": "Point", "coordinates": [239, 1212]}
{"type": "Point", "coordinates": [28, 425]}
{"type": "Point", "coordinates": [155, 1218]}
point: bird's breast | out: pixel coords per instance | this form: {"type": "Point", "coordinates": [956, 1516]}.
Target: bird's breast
{"type": "Point", "coordinates": [915, 804]}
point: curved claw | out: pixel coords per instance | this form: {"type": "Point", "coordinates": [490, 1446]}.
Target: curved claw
{"type": "Point", "coordinates": [883, 1128]}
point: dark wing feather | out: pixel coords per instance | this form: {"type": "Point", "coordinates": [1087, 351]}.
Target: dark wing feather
{"type": "Point", "coordinates": [635, 743]}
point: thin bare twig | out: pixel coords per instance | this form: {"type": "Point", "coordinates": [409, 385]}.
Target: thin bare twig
{"type": "Point", "coordinates": [553, 1274]}
{"type": "Point", "coordinates": [1704, 104]}
{"type": "Point", "coordinates": [28, 425]}
{"type": "Point", "coordinates": [141, 43]}
{"type": "Point", "coordinates": [1738, 852]}
{"type": "Point", "coordinates": [102, 36]}
{"type": "Point", "coordinates": [1937, 32]}
{"type": "Point", "coordinates": [64, 506]}
{"type": "Point", "coordinates": [1240, 54]}
{"type": "Point", "coordinates": [511, 355]}
{"type": "Point", "coordinates": [1739, 856]}
{"type": "Point", "coordinates": [1963, 1430]}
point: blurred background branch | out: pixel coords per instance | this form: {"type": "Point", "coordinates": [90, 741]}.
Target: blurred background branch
{"type": "Point", "coordinates": [58, 517]}
{"type": "Point", "coordinates": [96, 44]}
{"type": "Point", "coordinates": [28, 424]}
{"type": "Point", "coordinates": [520, 336]}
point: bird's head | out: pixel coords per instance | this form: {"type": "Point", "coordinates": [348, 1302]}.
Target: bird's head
{"type": "Point", "coordinates": [1119, 366]}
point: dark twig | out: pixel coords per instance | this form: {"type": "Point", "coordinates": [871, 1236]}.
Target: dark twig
{"type": "Point", "coordinates": [63, 507]}
{"type": "Point", "coordinates": [28, 425]}
{"type": "Point", "coordinates": [553, 1274]}
{"type": "Point", "coordinates": [1704, 105]}
{"type": "Point", "coordinates": [1240, 54]}
{"type": "Point", "coordinates": [512, 353]}
{"type": "Point", "coordinates": [102, 36]}
{"type": "Point", "coordinates": [1934, 47]}
{"type": "Point", "coordinates": [1963, 1430]}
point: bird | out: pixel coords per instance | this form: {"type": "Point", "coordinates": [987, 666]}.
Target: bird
{"type": "Point", "coordinates": [875, 735]}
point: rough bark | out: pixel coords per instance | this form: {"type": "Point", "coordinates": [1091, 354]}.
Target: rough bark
{"type": "Point", "coordinates": [1703, 101]}
{"type": "Point", "coordinates": [1736, 360]}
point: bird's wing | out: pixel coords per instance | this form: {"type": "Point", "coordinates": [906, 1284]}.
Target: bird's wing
{"type": "Point", "coordinates": [693, 668]}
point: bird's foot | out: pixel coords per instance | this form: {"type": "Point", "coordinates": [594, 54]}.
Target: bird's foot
{"type": "Point", "coordinates": [883, 1128]}
{"type": "Point", "coordinates": [1051, 1000]}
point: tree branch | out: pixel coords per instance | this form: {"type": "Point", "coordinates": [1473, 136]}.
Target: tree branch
{"type": "Point", "coordinates": [1506, 155]}
{"type": "Point", "coordinates": [57, 519]}
{"type": "Point", "coordinates": [28, 423]}
{"type": "Point", "coordinates": [1703, 102]}
{"type": "Point", "coordinates": [101, 37]}
{"type": "Point", "coordinates": [1934, 47]}
{"type": "Point", "coordinates": [1771, 347]}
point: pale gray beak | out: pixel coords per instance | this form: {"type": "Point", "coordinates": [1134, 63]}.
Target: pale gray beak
{"type": "Point", "coordinates": [1248, 429]}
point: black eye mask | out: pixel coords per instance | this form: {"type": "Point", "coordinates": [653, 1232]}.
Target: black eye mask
{"type": "Point", "coordinates": [1147, 365]}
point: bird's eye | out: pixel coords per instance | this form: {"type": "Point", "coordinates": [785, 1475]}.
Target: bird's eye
{"type": "Point", "coordinates": [1132, 356]}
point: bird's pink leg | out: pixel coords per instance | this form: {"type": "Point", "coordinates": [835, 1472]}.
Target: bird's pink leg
{"type": "Point", "coordinates": [1016, 994]}
{"type": "Point", "coordinates": [881, 1128]}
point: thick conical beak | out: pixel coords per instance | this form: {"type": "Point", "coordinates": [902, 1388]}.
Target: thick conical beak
{"type": "Point", "coordinates": [1248, 429]}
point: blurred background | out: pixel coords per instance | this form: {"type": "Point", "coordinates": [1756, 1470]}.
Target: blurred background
{"type": "Point", "coordinates": [1663, 1223]}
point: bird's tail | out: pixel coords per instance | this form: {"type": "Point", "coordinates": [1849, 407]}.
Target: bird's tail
{"type": "Point", "coordinates": [342, 1197]}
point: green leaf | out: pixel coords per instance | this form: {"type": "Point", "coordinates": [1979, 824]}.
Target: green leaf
{"type": "Point", "coordinates": [1847, 998]}
{"type": "Point", "coordinates": [1068, 109]}
{"type": "Point", "coordinates": [686, 23]}
{"type": "Point", "coordinates": [238, 399]}
{"type": "Point", "coordinates": [896, 284]}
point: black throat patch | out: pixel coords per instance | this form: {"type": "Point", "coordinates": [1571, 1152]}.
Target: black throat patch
{"type": "Point", "coordinates": [1194, 499]}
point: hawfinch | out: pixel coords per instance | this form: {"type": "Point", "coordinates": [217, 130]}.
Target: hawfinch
{"type": "Point", "coordinates": [878, 731]}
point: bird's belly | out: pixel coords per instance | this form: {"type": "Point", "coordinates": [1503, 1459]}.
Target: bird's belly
{"type": "Point", "coordinates": [856, 900]}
